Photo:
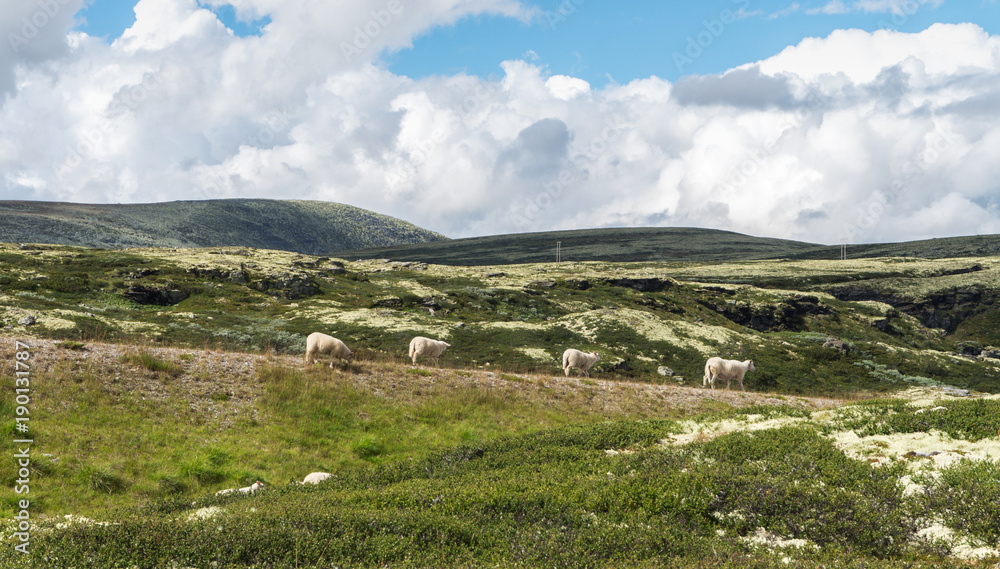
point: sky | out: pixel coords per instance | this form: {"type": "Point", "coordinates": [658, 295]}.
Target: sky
{"type": "Point", "coordinates": [825, 121]}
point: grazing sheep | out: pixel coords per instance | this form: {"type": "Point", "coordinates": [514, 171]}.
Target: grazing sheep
{"type": "Point", "coordinates": [318, 343]}
{"type": "Point", "coordinates": [579, 360]}
{"type": "Point", "coordinates": [421, 346]}
{"type": "Point", "coordinates": [316, 478]}
{"type": "Point", "coordinates": [718, 368]}
{"type": "Point", "coordinates": [251, 489]}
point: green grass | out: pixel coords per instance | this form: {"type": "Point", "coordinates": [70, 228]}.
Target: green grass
{"type": "Point", "coordinates": [555, 498]}
{"type": "Point", "coordinates": [149, 426]}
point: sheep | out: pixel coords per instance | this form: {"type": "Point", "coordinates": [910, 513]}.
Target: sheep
{"type": "Point", "coordinates": [421, 346]}
{"type": "Point", "coordinates": [251, 489]}
{"type": "Point", "coordinates": [718, 368]}
{"type": "Point", "coordinates": [316, 478]}
{"type": "Point", "coordinates": [319, 343]}
{"type": "Point", "coordinates": [579, 360]}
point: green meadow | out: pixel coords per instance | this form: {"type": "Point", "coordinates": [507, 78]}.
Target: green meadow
{"type": "Point", "coordinates": [161, 376]}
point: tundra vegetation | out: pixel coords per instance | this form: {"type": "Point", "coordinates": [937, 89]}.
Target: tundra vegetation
{"type": "Point", "coordinates": [162, 376]}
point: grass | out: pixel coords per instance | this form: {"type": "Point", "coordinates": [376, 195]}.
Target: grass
{"type": "Point", "coordinates": [150, 424]}
{"type": "Point", "coordinates": [557, 498]}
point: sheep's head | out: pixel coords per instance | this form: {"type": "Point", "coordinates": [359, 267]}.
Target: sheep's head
{"type": "Point", "coordinates": [750, 367]}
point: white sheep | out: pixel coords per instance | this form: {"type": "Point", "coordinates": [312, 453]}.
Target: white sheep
{"type": "Point", "coordinates": [319, 343]}
{"type": "Point", "coordinates": [579, 360]}
{"type": "Point", "coordinates": [316, 477]}
{"type": "Point", "coordinates": [718, 368]}
{"type": "Point", "coordinates": [421, 346]}
{"type": "Point", "coordinates": [251, 489]}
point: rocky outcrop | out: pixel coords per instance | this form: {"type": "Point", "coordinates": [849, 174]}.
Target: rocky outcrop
{"type": "Point", "coordinates": [944, 309]}
{"type": "Point", "coordinates": [788, 315]}
{"type": "Point", "coordinates": [652, 284]}
{"type": "Point", "coordinates": [287, 285]}
{"type": "Point", "coordinates": [157, 296]}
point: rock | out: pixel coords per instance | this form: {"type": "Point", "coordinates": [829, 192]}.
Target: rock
{"type": "Point", "coordinates": [839, 345]}
{"type": "Point", "coordinates": [664, 370]}
{"type": "Point", "coordinates": [788, 315]}
{"type": "Point", "coordinates": [391, 302]}
{"type": "Point", "coordinates": [288, 285]}
{"type": "Point", "coordinates": [154, 296]}
{"type": "Point", "coordinates": [642, 284]}
{"type": "Point", "coordinates": [27, 320]}
{"type": "Point", "coordinates": [239, 277]}
{"type": "Point", "coordinates": [495, 275]}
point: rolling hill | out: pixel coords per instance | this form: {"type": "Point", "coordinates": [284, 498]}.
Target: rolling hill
{"type": "Point", "coordinates": [659, 244]}
{"type": "Point", "coordinates": [308, 227]}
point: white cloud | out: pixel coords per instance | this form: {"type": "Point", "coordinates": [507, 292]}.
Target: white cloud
{"type": "Point", "coordinates": [566, 88]}
{"type": "Point", "coordinates": [831, 8]}
{"type": "Point", "coordinates": [896, 7]}
{"type": "Point", "coordinates": [878, 136]}
{"type": "Point", "coordinates": [32, 32]}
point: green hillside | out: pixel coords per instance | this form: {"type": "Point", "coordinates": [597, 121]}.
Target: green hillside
{"type": "Point", "coordinates": [658, 244]}
{"type": "Point", "coordinates": [310, 227]}
{"type": "Point", "coordinates": [159, 376]}
{"type": "Point", "coordinates": [638, 315]}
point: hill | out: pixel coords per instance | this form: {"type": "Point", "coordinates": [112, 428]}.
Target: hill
{"type": "Point", "coordinates": [309, 227]}
{"type": "Point", "coordinates": [658, 244]}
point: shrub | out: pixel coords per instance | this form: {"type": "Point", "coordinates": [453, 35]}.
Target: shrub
{"type": "Point", "coordinates": [966, 496]}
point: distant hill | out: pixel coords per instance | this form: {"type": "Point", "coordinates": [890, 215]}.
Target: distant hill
{"type": "Point", "coordinates": [646, 244]}
{"type": "Point", "coordinates": [308, 227]}
{"type": "Point", "coordinates": [652, 244]}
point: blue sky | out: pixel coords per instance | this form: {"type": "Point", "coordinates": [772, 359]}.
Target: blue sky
{"type": "Point", "coordinates": [816, 120]}
{"type": "Point", "coordinates": [604, 41]}
{"type": "Point", "coordinates": [109, 18]}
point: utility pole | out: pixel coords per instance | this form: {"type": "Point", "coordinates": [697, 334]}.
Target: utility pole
{"type": "Point", "coordinates": [843, 249]}
{"type": "Point", "coordinates": [558, 251]}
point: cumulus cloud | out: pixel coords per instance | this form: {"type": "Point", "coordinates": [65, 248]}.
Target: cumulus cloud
{"type": "Point", "coordinates": [866, 136]}
{"type": "Point", "coordinates": [32, 33]}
